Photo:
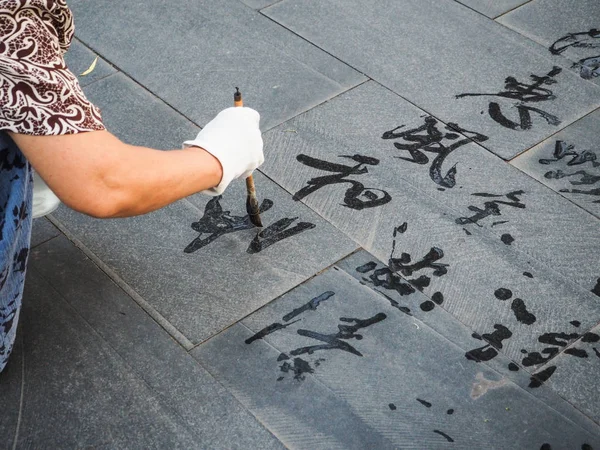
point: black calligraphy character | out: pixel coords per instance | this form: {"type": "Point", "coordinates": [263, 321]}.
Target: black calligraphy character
{"type": "Point", "coordinates": [276, 232]}
{"type": "Point", "coordinates": [562, 150]}
{"type": "Point", "coordinates": [491, 208]}
{"type": "Point", "coordinates": [594, 192]}
{"type": "Point", "coordinates": [407, 268]}
{"type": "Point", "coordinates": [311, 305]}
{"type": "Point", "coordinates": [489, 351]}
{"type": "Point", "coordinates": [584, 177]}
{"type": "Point", "coordinates": [589, 67]}
{"type": "Point", "coordinates": [216, 223]}
{"type": "Point", "coordinates": [576, 40]}
{"type": "Point", "coordinates": [336, 341]}
{"type": "Point", "coordinates": [428, 138]}
{"type": "Point", "coordinates": [524, 93]}
{"type": "Point", "coordinates": [357, 196]}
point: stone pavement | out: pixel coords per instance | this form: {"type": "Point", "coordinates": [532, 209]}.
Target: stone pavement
{"type": "Point", "coordinates": [429, 272]}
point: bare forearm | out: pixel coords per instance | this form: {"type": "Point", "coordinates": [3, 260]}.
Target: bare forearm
{"type": "Point", "coordinates": [97, 174]}
{"type": "Point", "coordinates": [149, 179]}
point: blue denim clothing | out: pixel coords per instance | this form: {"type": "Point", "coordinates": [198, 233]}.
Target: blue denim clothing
{"type": "Point", "coordinates": [16, 188]}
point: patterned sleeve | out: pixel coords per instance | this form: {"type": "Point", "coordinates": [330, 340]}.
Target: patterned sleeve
{"type": "Point", "coordinates": [38, 94]}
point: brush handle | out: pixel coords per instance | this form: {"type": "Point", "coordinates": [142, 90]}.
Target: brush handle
{"type": "Point", "coordinates": [238, 101]}
{"type": "Point", "coordinates": [250, 186]}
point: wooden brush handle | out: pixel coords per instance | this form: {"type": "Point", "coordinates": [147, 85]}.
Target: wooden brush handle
{"type": "Point", "coordinates": [238, 101]}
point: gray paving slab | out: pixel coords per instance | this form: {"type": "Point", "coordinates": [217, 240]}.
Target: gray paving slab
{"type": "Point", "coordinates": [573, 372]}
{"type": "Point", "coordinates": [563, 28]}
{"type": "Point", "coordinates": [419, 187]}
{"type": "Point", "coordinates": [493, 8]}
{"type": "Point", "coordinates": [569, 163]}
{"type": "Point", "coordinates": [467, 262]}
{"type": "Point", "coordinates": [383, 378]}
{"type": "Point", "coordinates": [192, 54]}
{"type": "Point", "coordinates": [420, 49]}
{"type": "Point", "coordinates": [10, 395]}
{"type": "Point", "coordinates": [371, 272]}
{"type": "Point", "coordinates": [41, 231]}
{"type": "Point", "coordinates": [431, 309]}
{"type": "Point", "coordinates": [202, 404]}
{"type": "Point", "coordinates": [79, 59]}
{"type": "Point", "coordinates": [136, 116]}
{"type": "Point", "coordinates": [258, 4]}
{"type": "Point", "coordinates": [201, 292]}
{"type": "Point", "coordinates": [217, 284]}
{"type": "Point", "coordinates": [77, 392]}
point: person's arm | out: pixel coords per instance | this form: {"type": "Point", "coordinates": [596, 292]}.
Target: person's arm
{"type": "Point", "coordinates": [97, 174]}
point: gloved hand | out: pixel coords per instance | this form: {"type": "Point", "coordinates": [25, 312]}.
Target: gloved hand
{"type": "Point", "coordinates": [233, 137]}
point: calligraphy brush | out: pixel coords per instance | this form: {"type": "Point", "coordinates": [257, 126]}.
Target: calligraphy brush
{"type": "Point", "coordinates": [251, 201]}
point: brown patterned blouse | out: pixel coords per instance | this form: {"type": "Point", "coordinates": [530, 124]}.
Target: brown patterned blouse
{"type": "Point", "coordinates": [38, 94]}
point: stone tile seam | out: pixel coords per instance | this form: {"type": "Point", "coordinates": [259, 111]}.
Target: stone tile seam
{"type": "Point", "coordinates": [317, 379]}
{"type": "Point", "coordinates": [138, 375]}
{"type": "Point", "coordinates": [479, 233]}
{"type": "Point", "coordinates": [310, 43]}
{"type": "Point", "coordinates": [300, 61]}
{"type": "Point", "coordinates": [555, 133]}
{"type": "Point", "coordinates": [356, 250]}
{"type": "Point", "coordinates": [82, 82]}
{"type": "Point", "coordinates": [99, 79]}
{"type": "Point", "coordinates": [339, 94]}
{"type": "Point", "coordinates": [176, 111]}
{"type": "Point", "coordinates": [474, 10]}
{"type": "Point", "coordinates": [129, 77]}
{"type": "Point", "coordinates": [137, 298]}
{"type": "Point", "coordinates": [540, 182]}
{"type": "Point", "coordinates": [511, 10]}
{"type": "Point", "coordinates": [501, 351]}
{"type": "Point", "coordinates": [434, 116]}
{"type": "Point", "coordinates": [43, 242]}
{"type": "Point", "coordinates": [21, 396]}
{"type": "Point", "coordinates": [561, 60]}
{"type": "Point", "coordinates": [557, 193]}
{"type": "Point", "coordinates": [369, 78]}
{"type": "Point", "coordinates": [79, 41]}
{"type": "Point", "coordinates": [216, 378]}
{"type": "Point", "coordinates": [443, 207]}
{"type": "Point", "coordinates": [571, 345]}
{"type": "Point", "coordinates": [265, 7]}
{"type": "Point", "coordinates": [468, 327]}
{"type": "Point", "coordinates": [562, 127]}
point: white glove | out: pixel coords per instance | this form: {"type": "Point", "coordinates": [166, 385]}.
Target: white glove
{"type": "Point", "coordinates": [234, 138]}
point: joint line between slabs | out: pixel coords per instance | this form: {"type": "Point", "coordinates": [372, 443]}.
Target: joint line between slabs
{"type": "Point", "coordinates": [137, 298]}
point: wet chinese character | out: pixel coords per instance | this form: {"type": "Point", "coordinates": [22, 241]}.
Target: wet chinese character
{"type": "Point", "coordinates": [347, 330]}
{"type": "Point", "coordinates": [428, 138]}
{"type": "Point", "coordinates": [276, 232]}
{"type": "Point", "coordinates": [578, 177]}
{"type": "Point", "coordinates": [525, 94]}
{"type": "Point", "coordinates": [562, 150]}
{"type": "Point", "coordinates": [217, 222]}
{"type": "Point", "coordinates": [491, 208]}
{"type": "Point", "coordinates": [489, 351]}
{"type": "Point", "coordinates": [517, 306]}
{"type": "Point", "coordinates": [389, 278]}
{"type": "Point", "coordinates": [357, 196]}
{"type": "Point", "coordinates": [589, 67]}
{"type": "Point", "coordinates": [336, 341]}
